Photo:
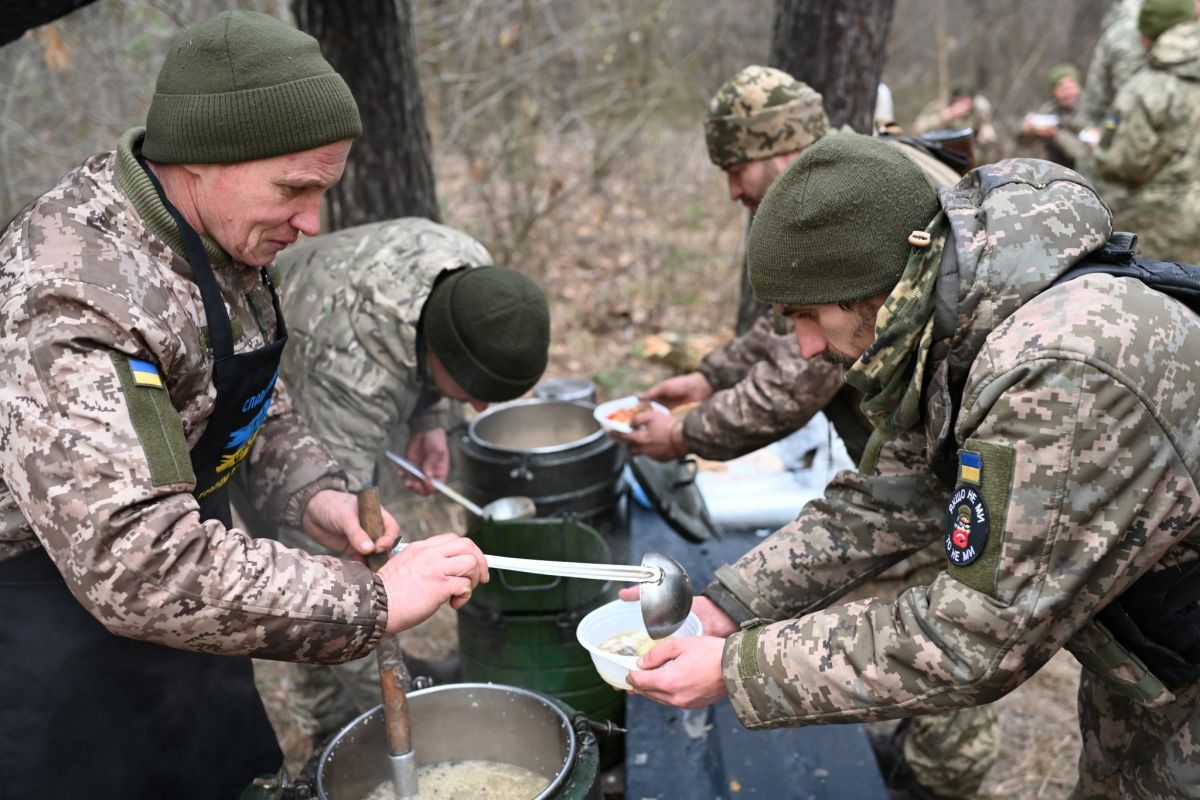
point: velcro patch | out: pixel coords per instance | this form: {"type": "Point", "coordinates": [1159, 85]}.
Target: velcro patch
{"type": "Point", "coordinates": [975, 515]}
{"type": "Point", "coordinates": [145, 373]}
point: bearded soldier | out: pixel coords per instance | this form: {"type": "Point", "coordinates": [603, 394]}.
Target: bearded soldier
{"type": "Point", "coordinates": [760, 388]}
{"type": "Point", "coordinates": [1053, 423]}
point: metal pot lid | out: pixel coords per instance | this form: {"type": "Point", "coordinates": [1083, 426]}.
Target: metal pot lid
{"type": "Point", "coordinates": [671, 489]}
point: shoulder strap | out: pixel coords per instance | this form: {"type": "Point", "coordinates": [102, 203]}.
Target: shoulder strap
{"type": "Point", "coordinates": [1118, 256]}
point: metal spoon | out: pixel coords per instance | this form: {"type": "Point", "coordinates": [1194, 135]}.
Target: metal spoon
{"type": "Point", "coordinates": [506, 508]}
{"type": "Point", "coordinates": [666, 590]}
{"type": "Point", "coordinates": [667, 601]}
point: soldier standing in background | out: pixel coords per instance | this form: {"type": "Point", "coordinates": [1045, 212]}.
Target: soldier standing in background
{"type": "Point", "coordinates": [966, 108]}
{"type": "Point", "coordinates": [1118, 55]}
{"type": "Point", "coordinates": [140, 335]}
{"type": "Point", "coordinates": [1053, 424]}
{"type": "Point", "coordinates": [1149, 147]}
{"type": "Point", "coordinates": [1055, 126]}
{"type": "Point", "coordinates": [390, 322]}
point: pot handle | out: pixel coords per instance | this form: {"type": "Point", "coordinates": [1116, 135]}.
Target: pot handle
{"type": "Point", "coordinates": [583, 725]}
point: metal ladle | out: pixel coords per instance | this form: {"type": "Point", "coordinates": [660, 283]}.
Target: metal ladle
{"type": "Point", "coordinates": [506, 508]}
{"type": "Point", "coordinates": [666, 589]}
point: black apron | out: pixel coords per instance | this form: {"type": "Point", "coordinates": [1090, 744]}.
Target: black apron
{"type": "Point", "coordinates": [84, 713]}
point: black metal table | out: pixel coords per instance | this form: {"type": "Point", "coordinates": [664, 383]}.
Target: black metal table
{"type": "Point", "coordinates": [672, 754]}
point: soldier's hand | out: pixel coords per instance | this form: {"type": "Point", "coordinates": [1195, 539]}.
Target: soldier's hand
{"type": "Point", "coordinates": [655, 434]}
{"type": "Point", "coordinates": [331, 519]}
{"type": "Point", "coordinates": [690, 388]}
{"type": "Point", "coordinates": [427, 573]}
{"type": "Point", "coordinates": [684, 672]}
{"type": "Point", "coordinates": [713, 620]}
{"type": "Point", "coordinates": [430, 451]}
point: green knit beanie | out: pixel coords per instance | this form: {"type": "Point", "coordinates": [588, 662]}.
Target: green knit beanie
{"type": "Point", "coordinates": [490, 328]}
{"type": "Point", "coordinates": [1060, 71]}
{"type": "Point", "coordinates": [243, 86]}
{"type": "Point", "coordinates": [1158, 15]}
{"type": "Point", "coordinates": [834, 226]}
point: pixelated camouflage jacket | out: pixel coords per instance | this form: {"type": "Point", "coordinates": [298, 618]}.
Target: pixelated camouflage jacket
{"type": "Point", "coordinates": [1118, 55]}
{"type": "Point", "coordinates": [353, 301]}
{"type": "Point", "coordinates": [765, 388]}
{"type": "Point", "coordinates": [1081, 405]}
{"type": "Point", "coordinates": [85, 283]}
{"type": "Point", "coordinates": [1150, 148]}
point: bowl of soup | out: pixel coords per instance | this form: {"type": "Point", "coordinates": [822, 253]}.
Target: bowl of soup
{"type": "Point", "coordinates": [615, 636]}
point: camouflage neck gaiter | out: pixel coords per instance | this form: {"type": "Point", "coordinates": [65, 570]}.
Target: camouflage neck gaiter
{"type": "Point", "coordinates": [891, 372]}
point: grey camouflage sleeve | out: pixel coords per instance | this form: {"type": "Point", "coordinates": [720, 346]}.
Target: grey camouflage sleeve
{"type": "Point", "coordinates": [1133, 151]}
{"type": "Point", "coordinates": [1065, 480]}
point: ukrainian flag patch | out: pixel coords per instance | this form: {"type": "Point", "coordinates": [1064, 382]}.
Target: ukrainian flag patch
{"type": "Point", "coordinates": [970, 465]}
{"type": "Point", "coordinates": [145, 373]}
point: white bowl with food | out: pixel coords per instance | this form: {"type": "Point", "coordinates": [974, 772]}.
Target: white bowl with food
{"type": "Point", "coordinates": [617, 415]}
{"type": "Point", "coordinates": [615, 635]}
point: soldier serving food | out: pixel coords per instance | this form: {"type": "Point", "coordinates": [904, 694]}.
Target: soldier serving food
{"type": "Point", "coordinates": [140, 336]}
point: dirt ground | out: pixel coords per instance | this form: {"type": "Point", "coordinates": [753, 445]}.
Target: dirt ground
{"type": "Point", "coordinates": [641, 269]}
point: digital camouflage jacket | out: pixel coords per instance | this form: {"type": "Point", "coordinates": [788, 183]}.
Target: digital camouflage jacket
{"type": "Point", "coordinates": [353, 302]}
{"type": "Point", "coordinates": [1150, 150]}
{"type": "Point", "coordinates": [1078, 470]}
{"type": "Point", "coordinates": [88, 279]}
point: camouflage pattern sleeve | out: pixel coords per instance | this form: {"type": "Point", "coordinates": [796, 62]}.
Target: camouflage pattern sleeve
{"type": "Point", "coordinates": [862, 525]}
{"type": "Point", "coordinates": [779, 395]}
{"type": "Point", "coordinates": [1086, 448]}
{"type": "Point", "coordinates": [437, 415]}
{"type": "Point", "coordinates": [727, 365]}
{"type": "Point", "coordinates": [129, 544]}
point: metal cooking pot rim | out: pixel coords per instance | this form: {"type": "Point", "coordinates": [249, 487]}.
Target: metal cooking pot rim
{"type": "Point", "coordinates": [556, 448]}
{"type": "Point", "coordinates": [548, 792]}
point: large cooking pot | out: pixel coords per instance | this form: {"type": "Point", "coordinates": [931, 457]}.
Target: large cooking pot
{"type": "Point", "coordinates": [469, 721]}
{"type": "Point", "coordinates": [551, 450]}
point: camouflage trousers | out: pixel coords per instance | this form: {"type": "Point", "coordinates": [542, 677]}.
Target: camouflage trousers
{"type": "Point", "coordinates": [948, 753]}
{"type": "Point", "coordinates": [1130, 750]}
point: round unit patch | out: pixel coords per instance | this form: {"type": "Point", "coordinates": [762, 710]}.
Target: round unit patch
{"type": "Point", "coordinates": [966, 526]}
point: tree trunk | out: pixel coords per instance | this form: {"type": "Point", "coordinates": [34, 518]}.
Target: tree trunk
{"type": "Point", "coordinates": [390, 171]}
{"type": "Point", "coordinates": [838, 48]}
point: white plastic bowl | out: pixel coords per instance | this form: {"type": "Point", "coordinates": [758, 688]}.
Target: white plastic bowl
{"type": "Point", "coordinates": [602, 411]}
{"type": "Point", "coordinates": [620, 616]}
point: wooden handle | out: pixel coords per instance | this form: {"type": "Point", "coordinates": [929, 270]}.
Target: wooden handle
{"type": "Point", "coordinates": [370, 516]}
{"type": "Point", "coordinates": [392, 673]}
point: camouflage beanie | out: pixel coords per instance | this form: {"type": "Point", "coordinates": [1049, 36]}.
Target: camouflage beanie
{"type": "Point", "coordinates": [762, 112]}
{"type": "Point", "coordinates": [834, 225]}
{"type": "Point", "coordinates": [1158, 15]}
{"type": "Point", "coordinates": [243, 86]}
{"type": "Point", "coordinates": [1060, 71]}
{"type": "Point", "coordinates": [490, 328]}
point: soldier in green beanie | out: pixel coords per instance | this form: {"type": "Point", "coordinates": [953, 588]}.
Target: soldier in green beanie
{"type": "Point", "coordinates": [1052, 132]}
{"type": "Point", "coordinates": [1149, 151]}
{"type": "Point", "coordinates": [393, 325]}
{"type": "Point", "coordinates": [1038, 424]}
{"type": "Point", "coordinates": [140, 343]}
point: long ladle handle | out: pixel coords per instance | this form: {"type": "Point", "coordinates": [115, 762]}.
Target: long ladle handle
{"type": "Point", "coordinates": [415, 471]}
{"type": "Point", "coordinates": [392, 672]}
{"type": "Point", "coordinates": [572, 569]}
